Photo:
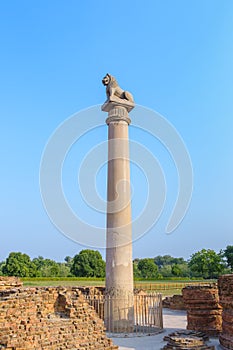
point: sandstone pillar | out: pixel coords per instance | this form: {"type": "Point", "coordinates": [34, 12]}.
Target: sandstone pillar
{"type": "Point", "coordinates": [119, 316]}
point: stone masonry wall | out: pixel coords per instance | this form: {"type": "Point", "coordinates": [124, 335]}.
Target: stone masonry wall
{"type": "Point", "coordinates": [49, 319]}
{"type": "Point", "coordinates": [174, 302]}
{"type": "Point", "coordinates": [9, 282]}
{"type": "Point", "coordinates": [225, 285]}
{"type": "Point", "coordinates": [204, 312]}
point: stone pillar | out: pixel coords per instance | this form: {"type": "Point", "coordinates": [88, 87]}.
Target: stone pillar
{"type": "Point", "coordinates": [119, 315]}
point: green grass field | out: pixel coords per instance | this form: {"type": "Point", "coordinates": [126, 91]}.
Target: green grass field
{"type": "Point", "coordinates": [68, 283]}
{"type": "Point", "coordinates": [166, 287]}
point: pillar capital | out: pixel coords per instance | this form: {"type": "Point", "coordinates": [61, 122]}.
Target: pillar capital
{"type": "Point", "coordinates": [118, 110]}
{"type": "Point", "coordinates": [117, 114]}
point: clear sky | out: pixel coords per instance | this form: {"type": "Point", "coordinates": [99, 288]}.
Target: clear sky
{"type": "Point", "coordinates": [174, 56]}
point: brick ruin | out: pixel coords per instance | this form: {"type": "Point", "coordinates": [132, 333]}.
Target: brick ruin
{"type": "Point", "coordinates": [204, 312]}
{"type": "Point", "coordinates": [174, 302]}
{"type": "Point", "coordinates": [55, 318]}
{"type": "Point", "coordinates": [48, 318]}
{"type": "Point", "coordinates": [184, 340]}
{"type": "Point", "coordinates": [10, 282]}
{"type": "Point", "coordinates": [225, 285]}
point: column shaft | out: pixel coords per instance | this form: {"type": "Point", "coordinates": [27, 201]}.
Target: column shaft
{"type": "Point", "coordinates": [119, 272]}
{"type": "Point", "coordinates": [119, 305]}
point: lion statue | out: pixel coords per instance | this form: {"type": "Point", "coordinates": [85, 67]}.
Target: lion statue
{"type": "Point", "coordinates": [113, 89]}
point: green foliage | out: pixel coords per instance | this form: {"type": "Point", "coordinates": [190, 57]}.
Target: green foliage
{"type": "Point", "coordinates": [46, 267]}
{"type": "Point", "coordinates": [166, 271]}
{"type": "Point", "coordinates": [20, 265]}
{"type": "Point", "coordinates": [2, 263]}
{"type": "Point", "coordinates": [51, 268]}
{"type": "Point", "coordinates": [185, 270]}
{"type": "Point", "coordinates": [228, 254]}
{"type": "Point", "coordinates": [147, 268]}
{"type": "Point", "coordinates": [166, 267]}
{"type": "Point", "coordinates": [136, 271]}
{"type": "Point", "coordinates": [176, 270]}
{"type": "Point", "coordinates": [88, 263]}
{"type": "Point", "coordinates": [171, 267]}
{"type": "Point", "coordinates": [165, 260]}
{"type": "Point", "coordinates": [64, 270]}
{"type": "Point", "coordinates": [206, 263]}
{"type": "Point", "coordinates": [68, 261]}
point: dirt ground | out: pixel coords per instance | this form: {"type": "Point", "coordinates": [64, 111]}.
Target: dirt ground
{"type": "Point", "coordinates": [173, 320]}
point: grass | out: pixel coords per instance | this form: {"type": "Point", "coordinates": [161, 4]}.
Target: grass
{"type": "Point", "coordinates": [54, 283]}
{"type": "Point", "coordinates": [166, 287]}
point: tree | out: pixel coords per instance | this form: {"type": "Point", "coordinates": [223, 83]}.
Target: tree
{"type": "Point", "coordinates": [88, 263]}
{"type": "Point", "coordinates": [49, 268]}
{"type": "Point", "coordinates": [228, 254]}
{"type": "Point", "coordinates": [176, 270]}
{"type": "Point", "coordinates": [20, 265]}
{"type": "Point", "coordinates": [64, 270]}
{"type": "Point", "coordinates": [183, 270]}
{"type": "Point", "coordinates": [147, 268]}
{"type": "Point", "coordinates": [206, 263]}
{"type": "Point", "coordinates": [166, 271]}
{"type": "Point", "coordinates": [164, 260]}
{"type": "Point", "coordinates": [68, 261]}
{"type": "Point", "coordinates": [2, 263]}
{"type": "Point", "coordinates": [38, 262]}
{"type": "Point", "coordinates": [136, 272]}
{"type": "Point", "coordinates": [161, 261]}
{"type": "Point", "coordinates": [170, 266]}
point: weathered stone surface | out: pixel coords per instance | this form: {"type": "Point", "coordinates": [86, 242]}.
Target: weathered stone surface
{"type": "Point", "coordinates": [49, 319]}
{"type": "Point", "coordinates": [89, 291]}
{"type": "Point", "coordinates": [175, 302]}
{"type": "Point", "coordinates": [115, 93]}
{"type": "Point", "coordinates": [184, 340]}
{"type": "Point", "coordinates": [9, 282]}
{"type": "Point", "coordinates": [119, 308]}
{"type": "Point", "coordinates": [225, 285]}
{"type": "Point", "coordinates": [204, 312]}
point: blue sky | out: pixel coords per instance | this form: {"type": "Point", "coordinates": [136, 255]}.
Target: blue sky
{"type": "Point", "coordinates": [174, 56]}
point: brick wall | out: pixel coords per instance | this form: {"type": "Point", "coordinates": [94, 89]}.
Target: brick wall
{"type": "Point", "coordinates": [175, 302]}
{"type": "Point", "coordinates": [225, 285]}
{"type": "Point", "coordinates": [204, 312]}
{"type": "Point", "coordinates": [9, 282]}
{"type": "Point", "coordinates": [50, 319]}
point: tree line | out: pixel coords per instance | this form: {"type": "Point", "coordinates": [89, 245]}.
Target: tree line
{"type": "Point", "coordinates": [205, 263]}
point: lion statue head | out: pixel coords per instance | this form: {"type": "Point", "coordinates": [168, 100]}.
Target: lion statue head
{"type": "Point", "coordinates": [109, 79]}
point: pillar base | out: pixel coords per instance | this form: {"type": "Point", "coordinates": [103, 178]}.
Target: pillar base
{"type": "Point", "coordinates": [119, 313]}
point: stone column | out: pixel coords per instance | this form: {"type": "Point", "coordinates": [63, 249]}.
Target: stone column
{"type": "Point", "coordinates": [119, 315]}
